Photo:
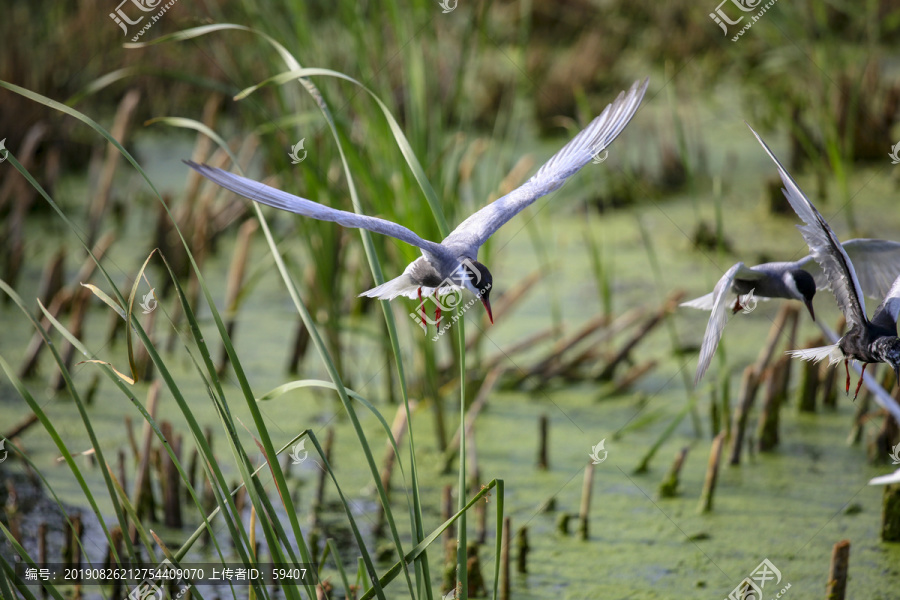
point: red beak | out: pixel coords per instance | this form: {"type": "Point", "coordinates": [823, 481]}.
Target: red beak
{"type": "Point", "coordinates": [487, 307]}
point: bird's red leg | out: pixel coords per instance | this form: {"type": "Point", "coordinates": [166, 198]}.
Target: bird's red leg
{"type": "Point", "coordinates": [847, 367]}
{"type": "Point", "coordinates": [737, 305]}
{"type": "Point", "coordinates": [859, 385]}
{"type": "Point", "coordinates": [437, 311]}
{"type": "Point", "coordinates": [425, 315]}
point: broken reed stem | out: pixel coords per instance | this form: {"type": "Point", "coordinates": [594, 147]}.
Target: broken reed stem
{"type": "Point", "coordinates": [526, 344]}
{"type": "Point", "coordinates": [668, 306]}
{"type": "Point", "coordinates": [829, 386]}
{"type": "Point", "coordinates": [881, 447]}
{"type": "Point", "coordinates": [42, 551]}
{"type": "Point", "coordinates": [837, 573]}
{"type": "Point", "coordinates": [809, 381]}
{"type": "Point", "coordinates": [543, 430]}
{"type": "Point", "coordinates": [323, 477]}
{"type": "Point", "coordinates": [398, 429]}
{"type": "Point", "coordinates": [61, 301]}
{"type": "Point", "coordinates": [505, 303]}
{"type": "Point", "coordinates": [669, 486]}
{"type": "Point", "coordinates": [298, 349]}
{"type": "Point", "coordinates": [76, 327]}
{"type": "Point", "coordinates": [631, 376]}
{"type": "Point", "coordinates": [567, 343]}
{"type": "Point", "coordinates": [749, 387]}
{"type": "Point", "coordinates": [143, 491]}
{"type": "Point", "coordinates": [52, 277]}
{"type": "Point", "coordinates": [119, 131]}
{"type": "Point", "coordinates": [172, 481]}
{"type": "Point", "coordinates": [767, 427]}
{"type": "Point", "coordinates": [481, 399]}
{"type": "Point", "coordinates": [522, 550]}
{"type": "Point", "coordinates": [586, 488]}
{"type": "Point", "coordinates": [788, 315]}
{"type": "Point", "coordinates": [786, 319]}
{"type": "Point", "coordinates": [11, 509]}
{"type": "Point", "coordinates": [236, 281]}
{"type": "Point", "coordinates": [20, 427]}
{"type": "Point", "coordinates": [449, 533]}
{"type": "Point", "coordinates": [859, 415]}
{"type": "Point", "coordinates": [712, 474]}
{"type": "Point", "coordinates": [481, 522]}
{"type": "Point", "coordinates": [477, 587]}
{"type": "Point", "coordinates": [504, 560]}
{"type": "Point", "coordinates": [890, 513]}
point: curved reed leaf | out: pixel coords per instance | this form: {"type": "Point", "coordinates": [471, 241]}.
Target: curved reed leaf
{"type": "Point", "coordinates": [26, 395]}
{"type": "Point", "coordinates": [8, 571]}
{"type": "Point", "coordinates": [434, 535]}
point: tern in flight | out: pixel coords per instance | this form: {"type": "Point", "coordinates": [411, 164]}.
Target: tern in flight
{"type": "Point", "coordinates": [878, 262]}
{"type": "Point", "coordinates": [452, 264]}
{"type": "Point", "coordinates": [867, 341]}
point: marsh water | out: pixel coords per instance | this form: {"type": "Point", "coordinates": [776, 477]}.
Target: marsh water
{"type": "Point", "coordinates": [790, 506]}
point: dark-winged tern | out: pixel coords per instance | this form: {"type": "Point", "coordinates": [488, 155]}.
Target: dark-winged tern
{"type": "Point", "coordinates": [867, 341]}
{"type": "Point", "coordinates": [452, 263]}
{"type": "Point", "coordinates": [878, 263]}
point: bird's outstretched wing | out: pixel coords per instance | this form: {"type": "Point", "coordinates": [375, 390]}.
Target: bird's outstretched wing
{"type": "Point", "coordinates": [264, 194]}
{"type": "Point", "coordinates": [721, 298]}
{"type": "Point", "coordinates": [877, 265]}
{"type": "Point", "coordinates": [886, 314]}
{"type": "Point", "coordinates": [825, 248]}
{"type": "Point", "coordinates": [475, 231]}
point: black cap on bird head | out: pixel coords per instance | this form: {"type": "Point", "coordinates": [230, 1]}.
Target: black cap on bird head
{"type": "Point", "coordinates": [480, 279]}
{"type": "Point", "coordinates": [806, 285]}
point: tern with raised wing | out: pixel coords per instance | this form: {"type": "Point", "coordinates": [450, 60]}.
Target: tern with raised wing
{"type": "Point", "coordinates": [867, 341]}
{"type": "Point", "coordinates": [878, 263]}
{"type": "Point", "coordinates": [452, 264]}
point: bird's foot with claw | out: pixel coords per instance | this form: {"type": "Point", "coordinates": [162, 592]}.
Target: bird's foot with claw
{"type": "Point", "coordinates": [847, 368]}
{"type": "Point", "coordinates": [737, 306]}
{"type": "Point", "coordinates": [859, 384]}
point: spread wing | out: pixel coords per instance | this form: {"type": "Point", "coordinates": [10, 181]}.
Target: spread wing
{"type": "Point", "coordinates": [475, 231]}
{"type": "Point", "coordinates": [886, 314]}
{"type": "Point", "coordinates": [264, 194]}
{"type": "Point", "coordinates": [721, 299]}
{"type": "Point", "coordinates": [825, 248]}
{"type": "Point", "coordinates": [877, 264]}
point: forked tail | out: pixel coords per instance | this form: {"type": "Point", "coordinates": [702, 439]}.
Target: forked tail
{"type": "Point", "coordinates": [833, 353]}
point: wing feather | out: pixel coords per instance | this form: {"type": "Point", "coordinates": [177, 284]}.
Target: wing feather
{"type": "Point", "coordinates": [887, 312]}
{"type": "Point", "coordinates": [716, 325]}
{"type": "Point", "coordinates": [877, 265]}
{"type": "Point", "coordinates": [264, 194]}
{"type": "Point", "coordinates": [475, 231]}
{"type": "Point", "coordinates": [824, 247]}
